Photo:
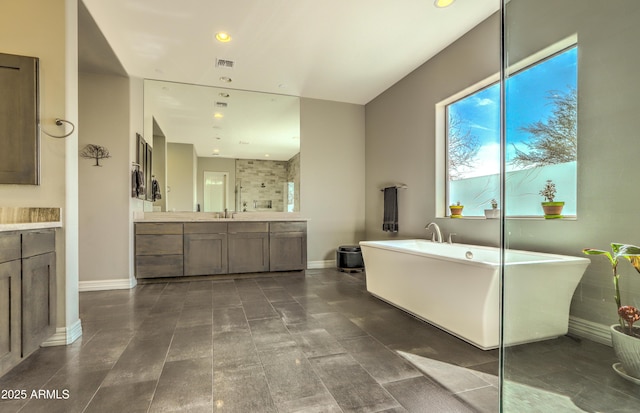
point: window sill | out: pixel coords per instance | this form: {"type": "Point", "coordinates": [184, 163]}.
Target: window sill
{"type": "Point", "coordinates": [516, 217]}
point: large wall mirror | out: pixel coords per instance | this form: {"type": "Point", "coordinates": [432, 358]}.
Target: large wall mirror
{"type": "Point", "coordinates": [218, 148]}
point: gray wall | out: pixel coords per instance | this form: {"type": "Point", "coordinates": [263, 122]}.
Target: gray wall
{"type": "Point", "coordinates": [608, 125]}
{"type": "Point", "coordinates": [103, 196]}
{"type": "Point", "coordinates": [181, 177]}
{"type": "Point", "coordinates": [400, 144]}
{"type": "Point", "coordinates": [332, 175]}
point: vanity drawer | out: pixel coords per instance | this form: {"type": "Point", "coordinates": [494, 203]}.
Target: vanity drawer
{"type": "Point", "coordinates": [240, 227]}
{"type": "Point", "coordinates": [159, 228]}
{"type": "Point", "coordinates": [9, 247]}
{"type": "Point", "coordinates": [205, 228]}
{"type": "Point", "coordinates": [288, 227]}
{"type": "Point", "coordinates": [38, 242]}
{"type": "Point", "coordinates": [153, 266]}
{"type": "Point", "coordinates": [159, 244]}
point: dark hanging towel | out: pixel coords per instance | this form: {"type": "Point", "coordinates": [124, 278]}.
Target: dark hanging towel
{"type": "Point", "coordinates": [155, 190]}
{"type": "Point", "coordinates": [390, 218]}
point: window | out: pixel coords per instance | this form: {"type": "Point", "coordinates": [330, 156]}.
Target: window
{"type": "Point", "coordinates": [541, 139]}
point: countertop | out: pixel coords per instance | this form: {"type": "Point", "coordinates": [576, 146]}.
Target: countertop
{"type": "Point", "coordinates": [214, 217]}
{"type": "Point", "coordinates": [24, 226]}
{"type": "Point", "coordinates": [27, 218]}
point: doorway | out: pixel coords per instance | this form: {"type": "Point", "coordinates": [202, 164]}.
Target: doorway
{"type": "Point", "coordinates": [215, 191]}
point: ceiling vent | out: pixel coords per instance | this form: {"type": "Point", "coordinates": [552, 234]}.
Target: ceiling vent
{"type": "Point", "coordinates": [225, 63]}
{"type": "Point", "coordinates": [221, 104]}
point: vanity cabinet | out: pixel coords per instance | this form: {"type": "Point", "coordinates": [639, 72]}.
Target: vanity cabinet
{"type": "Point", "coordinates": [248, 244]}
{"type": "Point", "coordinates": [27, 293]}
{"type": "Point", "coordinates": [159, 250]}
{"type": "Point", "coordinates": [176, 249]}
{"type": "Point", "coordinates": [287, 246]}
{"type": "Point", "coordinates": [38, 288]}
{"type": "Point", "coordinates": [10, 301]}
{"type": "Point", "coordinates": [205, 248]}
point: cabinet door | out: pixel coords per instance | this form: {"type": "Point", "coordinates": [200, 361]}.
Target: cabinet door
{"type": "Point", "coordinates": [10, 328]}
{"type": "Point", "coordinates": [38, 300]}
{"type": "Point", "coordinates": [205, 254]}
{"type": "Point", "coordinates": [288, 251]}
{"type": "Point", "coordinates": [19, 160]}
{"type": "Point", "coordinates": [248, 252]}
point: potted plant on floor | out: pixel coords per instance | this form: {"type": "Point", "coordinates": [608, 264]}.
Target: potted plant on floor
{"type": "Point", "coordinates": [552, 209]}
{"type": "Point", "coordinates": [624, 336]}
{"type": "Point", "coordinates": [494, 212]}
{"type": "Point", "coordinates": [456, 210]}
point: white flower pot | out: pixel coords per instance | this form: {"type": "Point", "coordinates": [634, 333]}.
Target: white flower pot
{"type": "Point", "coordinates": [492, 213]}
{"type": "Point", "coordinates": [627, 349]}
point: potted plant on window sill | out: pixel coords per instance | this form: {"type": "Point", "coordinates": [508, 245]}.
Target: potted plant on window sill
{"type": "Point", "coordinates": [494, 212]}
{"type": "Point", "coordinates": [552, 209]}
{"type": "Point", "coordinates": [456, 210]}
{"type": "Point", "coordinates": [625, 337]}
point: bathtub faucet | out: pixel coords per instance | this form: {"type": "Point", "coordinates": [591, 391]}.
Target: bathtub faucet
{"type": "Point", "coordinates": [437, 235]}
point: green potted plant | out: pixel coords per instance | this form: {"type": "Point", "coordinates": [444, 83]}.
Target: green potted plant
{"type": "Point", "coordinates": [456, 210]}
{"type": "Point", "coordinates": [624, 336]}
{"type": "Point", "coordinates": [552, 209]}
{"type": "Point", "coordinates": [494, 212]}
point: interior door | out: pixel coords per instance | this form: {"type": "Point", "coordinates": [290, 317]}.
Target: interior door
{"type": "Point", "coordinates": [215, 191]}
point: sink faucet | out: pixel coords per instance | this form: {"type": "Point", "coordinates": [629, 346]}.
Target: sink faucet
{"type": "Point", "coordinates": [437, 235]}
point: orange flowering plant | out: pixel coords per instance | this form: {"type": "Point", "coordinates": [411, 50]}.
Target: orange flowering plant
{"type": "Point", "coordinates": [626, 314]}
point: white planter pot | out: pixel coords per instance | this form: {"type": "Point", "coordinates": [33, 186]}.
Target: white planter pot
{"type": "Point", "coordinates": [492, 213]}
{"type": "Point", "coordinates": [627, 349]}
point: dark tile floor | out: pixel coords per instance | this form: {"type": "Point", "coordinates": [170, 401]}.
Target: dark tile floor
{"type": "Point", "coordinates": [314, 342]}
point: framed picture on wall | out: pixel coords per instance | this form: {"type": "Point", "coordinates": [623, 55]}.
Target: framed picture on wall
{"type": "Point", "coordinates": [141, 156]}
{"type": "Point", "coordinates": [148, 161]}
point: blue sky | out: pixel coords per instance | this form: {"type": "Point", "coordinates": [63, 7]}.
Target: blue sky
{"type": "Point", "coordinates": [526, 102]}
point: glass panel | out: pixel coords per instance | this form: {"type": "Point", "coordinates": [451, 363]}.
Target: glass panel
{"type": "Point", "coordinates": [558, 306]}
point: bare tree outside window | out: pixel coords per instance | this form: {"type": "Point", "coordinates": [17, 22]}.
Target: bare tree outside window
{"type": "Point", "coordinates": [463, 148]}
{"type": "Point", "coordinates": [555, 140]}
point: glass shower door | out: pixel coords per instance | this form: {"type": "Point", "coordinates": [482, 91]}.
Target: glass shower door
{"type": "Point", "coordinates": [570, 134]}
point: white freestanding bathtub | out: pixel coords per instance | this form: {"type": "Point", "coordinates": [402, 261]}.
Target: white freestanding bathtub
{"type": "Point", "coordinates": [456, 287]}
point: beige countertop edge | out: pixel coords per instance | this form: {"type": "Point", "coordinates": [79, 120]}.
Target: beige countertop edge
{"type": "Point", "coordinates": [29, 225]}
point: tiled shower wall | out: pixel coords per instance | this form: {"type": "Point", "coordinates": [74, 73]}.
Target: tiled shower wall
{"type": "Point", "coordinates": [260, 182]}
{"type": "Point", "coordinates": [293, 175]}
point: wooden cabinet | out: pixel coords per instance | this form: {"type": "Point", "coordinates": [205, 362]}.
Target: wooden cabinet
{"type": "Point", "coordinates": [38, 288]}
{"type": "Point", "coordinates": [288, 246]}
{"type": "Point", "coordinates": [10, 301]}
{"type": "Point", "coordinates": [174, 249]}
{"type": "Point", "coordinates": [27, 293]}
{"type": "Point", "coordinates": [205, 248]}
{"type": "Point", "coordinates": [159, 250]}
{"type": "Point", "coordinates": [19, 117]}
{"type": "Point", "coordinates": [248, 247]}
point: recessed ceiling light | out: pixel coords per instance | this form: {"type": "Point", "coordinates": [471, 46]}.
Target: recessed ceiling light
{"type": "Point", "coordinates": [223, 37]}
{"type": "Point", "coordinates": [218, 115]}
{"type": "Point", "coordinates": [266, 155]}
{"type": "Point", "coordinates": [224, 94]}
{"type": "Point", "coordinates": [218, 138]}
{"type": "Point", "coordinates": [443, 3]}
{"type": "Point", "coordinates": [216, 151]}
{"type": "Point", "coordinates": [225, 79]}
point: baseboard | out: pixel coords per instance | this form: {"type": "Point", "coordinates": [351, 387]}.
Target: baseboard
{"type": "Point", "coordinates": [64, 335]}
{"type": "Point", "coordinates": [314, 265]}
{"type": "Point", "coordinates": [590, 330]}
{"type": "Point", "coordinates": [117, 284]}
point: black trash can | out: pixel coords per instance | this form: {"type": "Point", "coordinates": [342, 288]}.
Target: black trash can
{"type": "Point", "coordinates": [349, 258]}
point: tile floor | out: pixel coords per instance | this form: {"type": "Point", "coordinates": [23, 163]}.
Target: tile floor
{"type": "Point", "coordinates": [314, 342]}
